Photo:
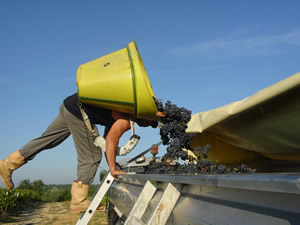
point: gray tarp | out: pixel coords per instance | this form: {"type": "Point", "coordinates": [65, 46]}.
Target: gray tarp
{"type": "Point", "coordinates": [266, 122]}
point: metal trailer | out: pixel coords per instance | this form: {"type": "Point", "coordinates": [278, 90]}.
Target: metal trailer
{"type": "Point", "coordinates": [262, 131]}
{"type": "Point", "coordinates": [230, 199]}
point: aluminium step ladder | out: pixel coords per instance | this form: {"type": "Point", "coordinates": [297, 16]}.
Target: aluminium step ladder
{"type": "Point", "coordinates": [105, 185]}
{"type": "Point", "coordinates": [87, 215]}
{"type": "Point", "coordinates": [160, 214]}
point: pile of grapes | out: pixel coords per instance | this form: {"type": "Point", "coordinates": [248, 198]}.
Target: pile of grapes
{"type": "Point", "coordinates": [172, 132]}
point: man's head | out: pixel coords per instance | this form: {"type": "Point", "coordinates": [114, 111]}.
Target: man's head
{"type": "Point", "coordinates": [146, 123]}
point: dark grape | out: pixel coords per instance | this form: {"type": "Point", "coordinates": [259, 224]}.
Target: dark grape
{"type": "Point", "coordinates": [172, 132]}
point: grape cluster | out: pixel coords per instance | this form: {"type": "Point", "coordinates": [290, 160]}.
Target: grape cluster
{"type": "Point", "coordinates": [173, 128]}
{"type": "Point", "coordinates": [172, 132]}
{"type": "Point", "coordinates": [205, 167]}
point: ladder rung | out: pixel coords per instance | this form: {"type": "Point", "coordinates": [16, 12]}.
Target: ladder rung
{"type": "Point", "coordinates": [165, 206]}
{"type": "Point", "coordinates": [162, 211]}
{"type": "Point", "coordinates": [141, 204]}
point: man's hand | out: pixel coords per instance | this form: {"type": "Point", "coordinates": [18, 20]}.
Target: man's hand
{"type": "Point", "coordinates": [116, 173]}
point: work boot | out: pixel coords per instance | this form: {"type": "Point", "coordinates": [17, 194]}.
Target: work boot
{"type": "Point", "coordinates": [7, 166]}
{"type": "Point", "coordinates": [79, 202]}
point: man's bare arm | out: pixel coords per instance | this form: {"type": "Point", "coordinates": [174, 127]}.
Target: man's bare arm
{"type": "Point", "coordinates": [120, 126]}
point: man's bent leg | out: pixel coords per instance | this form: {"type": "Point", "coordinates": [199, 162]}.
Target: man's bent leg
{"type": "Point", "coordinates": [55, 134]}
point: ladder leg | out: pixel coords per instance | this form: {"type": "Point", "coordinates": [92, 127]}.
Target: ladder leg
{"type": "Point", "coordinates": [141, 204]}
{"type": "Point", "coordinates": [87, 215]}
{"type": "Point", "coordinates": [165, 206]}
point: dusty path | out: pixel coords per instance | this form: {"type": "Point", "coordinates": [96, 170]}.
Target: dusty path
{"type": "Point", "coordinates": [56, 213]}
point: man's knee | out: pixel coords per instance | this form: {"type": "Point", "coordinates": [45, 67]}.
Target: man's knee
{"type": "Point", "coordinates": [86, 173]}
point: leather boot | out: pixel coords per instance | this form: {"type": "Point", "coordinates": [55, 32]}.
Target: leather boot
{"type": "Point", "coordinates": [7, 166]}
{"type": "Point", "coordinates": [79, 202]}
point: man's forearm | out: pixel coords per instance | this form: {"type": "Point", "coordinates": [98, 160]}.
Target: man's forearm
{"type": "Point", "coordinates": [111, 155]}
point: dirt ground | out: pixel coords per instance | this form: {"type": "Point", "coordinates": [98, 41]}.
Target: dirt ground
{"type": "Point", "coordinates": [56, 213]}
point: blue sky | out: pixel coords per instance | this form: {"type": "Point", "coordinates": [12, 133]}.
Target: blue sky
{"type": "Point", "coordinates": [198, 54]}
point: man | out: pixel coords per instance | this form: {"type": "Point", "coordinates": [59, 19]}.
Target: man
{"type": "Point", "coordinates": [70, 121]}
